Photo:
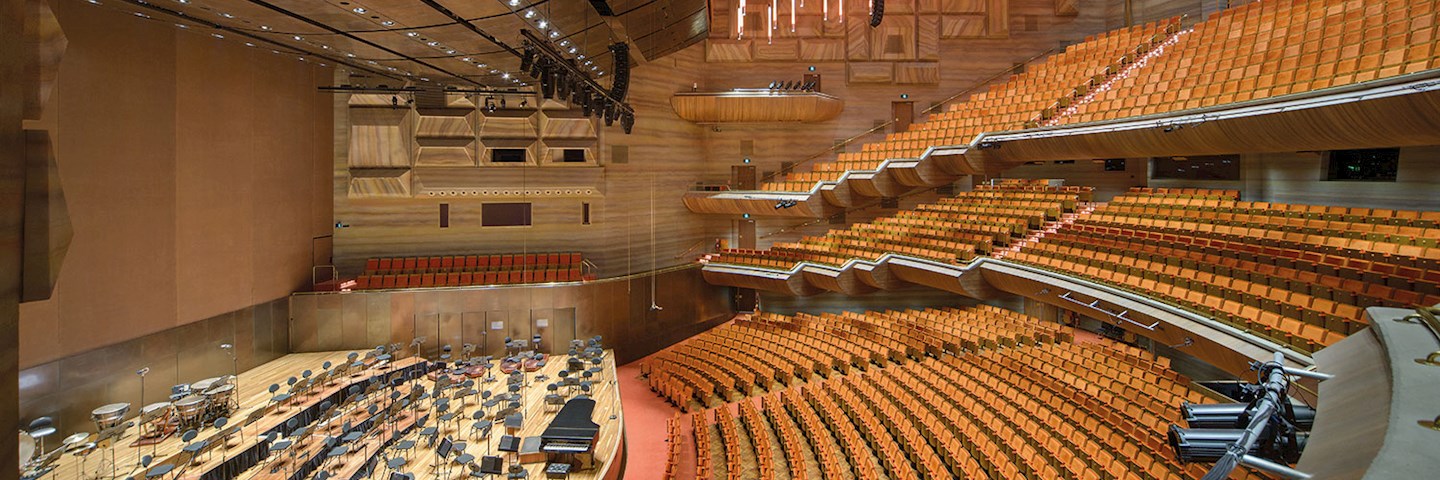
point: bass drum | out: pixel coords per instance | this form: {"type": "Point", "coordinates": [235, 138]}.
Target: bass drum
{"type": "Point", "coordinates": [27, 449]}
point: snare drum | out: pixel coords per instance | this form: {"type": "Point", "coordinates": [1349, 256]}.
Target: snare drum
{"type": "Point", "coordinates": [109, 415]}
{"type": "Point", "coordinates": [191, 410]}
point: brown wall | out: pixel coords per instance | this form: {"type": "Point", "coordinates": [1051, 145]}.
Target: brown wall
{"type": "Point", "coordinates": [663, 149]}
{"type": "Point", "coordinates": [189, 168]}
{"type": "Point", "coordinates": [1300, 178]}
{"type": "Point", "coordinates": [617, 309]}
{"type": "Point", "coordinates": [69, 388]}
{"type": "Point", "coordinates": [12, 186]}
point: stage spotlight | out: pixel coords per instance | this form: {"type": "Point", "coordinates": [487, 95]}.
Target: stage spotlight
{"type": "Point", "coordinates": [1203, 445]}
{"type": "Point", "coordinates": [627, 122]}
{"type": "Point", "coordinates": [1223, 415]}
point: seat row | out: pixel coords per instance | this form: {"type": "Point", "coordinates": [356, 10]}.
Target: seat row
{"type": "Point", "coordinates": [1028, 410]}
{"type": "Point", "coordinates": [1008, 105]}
{"type": "Point", "coordinates": [953, 230]}
{"type": "Point", "coordinates": [517, 275]}
{"type": "Point", "coordinates": [469, 263]}
{"type": "Point", "coordinates": [1272, 48]}
{"type": "Point", "coordinates": [766, 351]}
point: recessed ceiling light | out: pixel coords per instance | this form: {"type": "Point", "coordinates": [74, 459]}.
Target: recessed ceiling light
{"type": "Point", "coordinates": [554, 34]}
{"type": "Point", "coordinates": [581, 57]}
{"type": "Point", "coordinates": [265, 27]}
{"type": "Point", "coordinates": [432, 43]}
{"type": "Point", "coordinates": [248, 44]}
{"type": "Point", "coordinates": [94, 2]}
{"type": "Point", "coordinates": [358, 10]}
{"type": "Point", "coordinates": [299, 38]}
{"type": "Point", "coordinates": [514, 3]}
{"type": "Point", "coordinates": [494, 71]}
{"type": "Point", "coordinates": [572, 50]}
{"type": "Point", "coordinates": [181, 25]}
{"type": "Point", "coordinates": [327, 47]}
{"type": "Point", "coordinates": [216, 35]}
{"type": "Point", "coordinates": [181, 1]}
{"type": "Point", "coordinates": [542, 24]}
{"type": "Point", "coordinates": [450, 52]}
{"type": "Point", "coordinates": [412, 34]}
{"type": "Point", "coordinates": [351, 55]}
{"type": "Point", "coordinates": [226, 15]}
{"type": "Point", "coordinates": [529, 14]}
{"type": "Point", "coordinates": [506, 75]}
{"type": "Point", "coordinates": [564, 43]}
{"type": "Point", "coordinates": [481, 65]}
{"type": "Point", "coordinates": [138, 14]}
{"type": "Point", "coordinates": [587, 62]}
{"type": "Point", "coordinates": [466, 59]}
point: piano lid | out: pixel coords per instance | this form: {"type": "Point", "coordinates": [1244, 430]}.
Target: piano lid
{"type": "Point", "coordinates": [573, 422]}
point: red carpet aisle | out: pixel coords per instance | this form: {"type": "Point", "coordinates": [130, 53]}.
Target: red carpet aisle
{"type": "Point", "coordinates": [645, 417]}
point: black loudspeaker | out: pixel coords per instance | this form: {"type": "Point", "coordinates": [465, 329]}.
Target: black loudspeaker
{"type": "Point", "coordinates": [602, 8]}
{"type": "Point", "coordinates": [627, 121]}
{"type": "Point", "coordinates": [620, 84]}
{"type": "Point", "coordinates": [877, 12]}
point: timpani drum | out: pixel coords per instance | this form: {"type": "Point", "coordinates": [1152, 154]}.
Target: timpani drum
{"type": "Point", "coordinates": [109, 415]}
{"type": "Point", "coordinates": [155, 418]}
{"type": "Point", "coordinates": [191, 410]}
{"type": "Point", "coordinates": [220, 400]}
{"type": "Point", "coordinates": [27, 449]}
{"type": "Point", "coordinates": [206, 384]}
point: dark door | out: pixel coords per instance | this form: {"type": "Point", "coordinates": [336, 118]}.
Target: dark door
{"type": "Point", "coordinates": [902, 113]}
{"type": "Point", "coordinates": [743, 177]}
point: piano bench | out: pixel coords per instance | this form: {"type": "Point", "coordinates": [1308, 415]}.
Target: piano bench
{"type": "Point", "coordinates": [557, 470]}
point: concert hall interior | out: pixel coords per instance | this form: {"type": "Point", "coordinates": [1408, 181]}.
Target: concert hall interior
{"type": "Point", "coordinates": [719, 239]}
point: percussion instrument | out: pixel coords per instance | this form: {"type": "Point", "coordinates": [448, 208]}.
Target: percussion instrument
{"type": "Point", "coordinates": [219, 399]}
{"type": "Point", "coordinates": [75, 439]}
{"type": "Point", "coordinates": [109, 415]}
{"type": "Point", "coordinates": [155, 418]}
{"type": "Point", "coordinates": [27, 449]}
{"type": "Point", "coordinates": [191, 410]}
{"type": "Point", "coordinates": [205, 384]}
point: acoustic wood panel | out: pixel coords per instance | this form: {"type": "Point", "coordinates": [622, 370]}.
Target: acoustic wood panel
{"type": "Point", "coordinates": [448, 126]}
{"type": "Point", "coordinates": [964, 6]}
{"type": "Point", "coordinates": [917, 73]}
{"type": "Point", "coordinates": [728, 51]}
{"type": "Point", "coordinates": [962, 26]}
{"type": "Point", "coordinates": [857, 40]}
{"type": "Point", "coordinates": [871, 72]}
{"type": "Point", "coordinates": [927, 37]}
{"type": "Point", "coordinates": [380, 137]}
{"type": "Point", "coordinates": [997, 16]}
{"type": "Point", "coordinates": [379, 183]}
{"type": "Point", "coordinates": [1067, 8]}
{"type": "Point", "coordinates": [759, 107]}
{"type": "Point", "coordinates": [787, 50]}
{"type": "Point", "coordinates": [822, 49]}
{"type": "Point", "coordinates": [444, 157]}
{"type": "Point", "coordinates": [894, 39]}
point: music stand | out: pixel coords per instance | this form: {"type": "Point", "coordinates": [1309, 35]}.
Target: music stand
{"type": "Point", "coordinates": [509, 444]}
{"type": "Point", "coordinates": [442, 451]}
{"type": "Point", "coordinates": [492, 465]}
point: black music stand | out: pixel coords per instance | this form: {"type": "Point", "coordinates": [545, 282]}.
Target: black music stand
{"type": "Point", "coordinates": [510, 444]}
{"type": "Point", "coordinates": [492, 465]}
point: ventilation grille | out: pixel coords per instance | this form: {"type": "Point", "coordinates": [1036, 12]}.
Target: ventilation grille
{"type": "Point", "coordinates": [619, 154]}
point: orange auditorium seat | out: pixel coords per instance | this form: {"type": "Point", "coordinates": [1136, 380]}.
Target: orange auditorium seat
{"type": "Point", "coordinates": [466, 278]}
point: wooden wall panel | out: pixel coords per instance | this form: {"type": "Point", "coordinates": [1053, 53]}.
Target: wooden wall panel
{"type": "Point", "coordinates": [962, 26]}
{"type": "Point", "coordinates": [188, 165]}
{"type": "Point", "coordinates": [378, 138]}
{"type": "Point", "coordinates": [871, 72]}
{"type": "Point", "coordinates": [894, 39]}
{"type": "Point", "coordinates": [728, 51]}
{"type": "Point", "coordinates": [822, 49]}
{"type": "Point", "coordinates": [917, 73]}
{"type": "Point", "coordinates": [787, 50]}
{"type": "Point", "coordinates": [1068, 8]}
{"type": "Point", "coordinates": [927, 37]}
{"type": "Point", "coordinates": [857, 41]}
{"type": "Point", "coordinates": [997, 16]}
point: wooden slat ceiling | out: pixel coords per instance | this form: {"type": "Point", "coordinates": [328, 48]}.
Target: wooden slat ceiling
{"type": "Point", "coordinates": [402, 41]}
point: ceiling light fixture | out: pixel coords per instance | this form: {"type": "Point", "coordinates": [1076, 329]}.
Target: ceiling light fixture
{"type": "Point", "coordinates": [299, 38]}
{"type": "Point", "coordinates": [529, 14]}
{"type": "Point", "coordinates": [387, 22]}
{"type": "Point", "coordinates": [542, 24]}
{"type": "Point", "coordinates": [412, 34]}
{"type": "Point", "coordinates": [360, 10]}
{"type": "Point", "coordinates": [514, 3]}
{"type": "Point", "coordinates": [226, 15]}
{"type": "Point", "coordinates": [554, 34]}
{"type": "Point", "coordinates": [265, 27]}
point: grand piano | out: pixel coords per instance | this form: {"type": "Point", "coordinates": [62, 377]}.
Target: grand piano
{"type": "Point", "coordinates": [570, 437]}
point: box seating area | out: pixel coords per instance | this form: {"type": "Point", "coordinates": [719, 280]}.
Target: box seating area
{"type": "Point", "coordinates": [768, 350]}
{"type": "Point", "coordinates": [1272, 48]}
{"type": "Point", "coordinates": [1038, 408]}
{"type": "Point", "coordinates": [953, 230]}
{"type": "Point", "coordinates": [1005, 106]}
{"type": "Point", "coordinates": [1299, 275]}
{"type": "Point", "coordinates": [465, 270]}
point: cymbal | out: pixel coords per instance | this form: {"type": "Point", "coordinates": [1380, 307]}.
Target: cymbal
{"type": "Point", "coordinates": [76, 438]}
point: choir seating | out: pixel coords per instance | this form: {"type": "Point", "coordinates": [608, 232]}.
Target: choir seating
{"type": "Point", "coordinates": [953, 230]}
{"type": "Point", "coordinates": [466, 270]}
{"type": "Point", "coordinates": [1298, 274]}
{"type": "Point", "coordinates": [1041, 407]}
{"type": "Point", "coordinates": [1026, 96]}
{"type": "Point", "coordinates": [1272, 48]}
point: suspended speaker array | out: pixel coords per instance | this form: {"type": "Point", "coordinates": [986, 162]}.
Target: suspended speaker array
{"type": "Point", "coordinates": [877, 12]}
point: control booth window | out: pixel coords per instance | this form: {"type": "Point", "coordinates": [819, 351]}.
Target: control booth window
{"type": "Point", "coordinates": [507, 155]}
{"type": "Point", "coordinates": [1368, 165]}
{"type": "Point", "coordinates": [1203, 167]}
{"type": "Point", "coordinates": [505, 215]}
{"type": "Point", "coordinates": [574, 155]}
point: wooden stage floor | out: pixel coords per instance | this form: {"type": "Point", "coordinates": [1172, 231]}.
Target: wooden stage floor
{"type": "Point", "coordinates": [254, 395]}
